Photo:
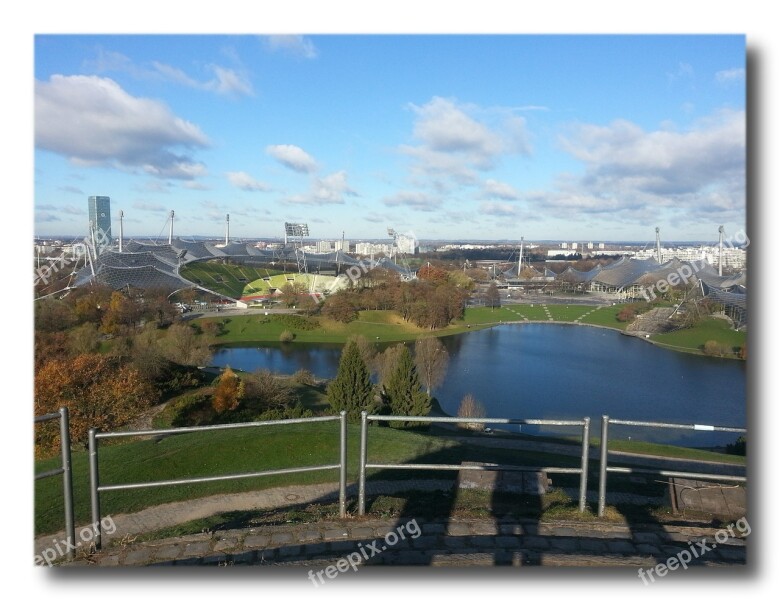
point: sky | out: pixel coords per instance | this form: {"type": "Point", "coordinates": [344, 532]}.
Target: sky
{"type": "Point", "coordinates": [498, 136]}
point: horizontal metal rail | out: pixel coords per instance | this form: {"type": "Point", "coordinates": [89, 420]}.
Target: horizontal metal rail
{"type": "Point", "coordinates": [177, 430]}
{"type": "Point", "coordinates": [364, 464]}
{"type": "Point", "coordinates": [169, 482]}
{"type": "Point", "coordinates": [604, 467]}
{"type": "Point", "coordinates": [687, 426]}
{"type": "Point", "coordinates": [96, 488]}
{"type": "Point", "coordinates": [67, 474]}
{"type": "Point", "coordinates": [50, 473]}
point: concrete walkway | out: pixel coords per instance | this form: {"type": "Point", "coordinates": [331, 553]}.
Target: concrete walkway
{"type": "Point", "coordinates": [446, 543]}
{"type": "Point", "coordinates": [439, 542]}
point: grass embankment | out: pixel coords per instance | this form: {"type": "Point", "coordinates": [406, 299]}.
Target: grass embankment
{"type": "Point", "coordinates": [388, 326]}
{"type": "Point", "coordinates": [276, 447]}
{"type": "Point", "coordinates": [248, 450]}
{"type": "Point", "coordinates": [693, 339]}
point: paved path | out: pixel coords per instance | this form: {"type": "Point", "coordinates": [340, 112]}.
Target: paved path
{"type": "Point", "coordinates": [443, 542]}
{"type": "Point", "coordinates": [449, 543]}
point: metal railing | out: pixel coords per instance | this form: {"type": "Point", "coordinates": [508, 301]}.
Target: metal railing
{"type": "Point", "coordinates": [604, 467]}
{"type": "Point", "coordinates": [94, 476]}
{"type": "Point", "coordinates": [364, 464]}
{"type": "Point", "coordinates": [65, 470]}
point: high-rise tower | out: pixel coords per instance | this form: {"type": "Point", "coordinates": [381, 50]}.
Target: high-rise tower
{"type": "Point", "coordinates": [100, 219]}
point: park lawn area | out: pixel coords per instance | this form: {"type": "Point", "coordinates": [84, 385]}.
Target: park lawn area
{"type": "Point", "coordinates": [606, 316]}
{"type": "Point", "coordinates": [568, 312]}
{"type": "Point", "coordinates": [694, 338]}
{"type": "Point", "coordinates": [637, 447]}
{"type": "Point", "coordinates": [248, 450]}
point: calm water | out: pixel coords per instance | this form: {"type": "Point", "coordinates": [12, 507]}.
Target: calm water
{"type": "Point", "coordinates": [559, 372]}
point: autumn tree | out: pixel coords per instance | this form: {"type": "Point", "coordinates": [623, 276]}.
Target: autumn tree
{"type": "Point", "coordinates": [84, 339]}
{"type": "Point", "coordinates": [431, 359]}
{"type": "Point", "coordinates": [98, 390]}
{"type": "Point", "coordinates": [52, 314]}
{"type": "Point", "coordinates": [121, 314]}
{"type": "Point", "coordinates": [351, 390]}
{"type": "Point", "coordinates": [403, 392]}
{"type": "Point", "coordinates": [228, 393]}
{"type": "Point", "coordinates": [292, 291]}
{"type": "Point", "coordinates": [339, 308]}
{"type": "Point", "coordinates": [492, 296]}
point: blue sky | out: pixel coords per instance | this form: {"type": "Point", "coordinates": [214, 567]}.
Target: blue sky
{"type": "Point", "coordinates": [585, 137]}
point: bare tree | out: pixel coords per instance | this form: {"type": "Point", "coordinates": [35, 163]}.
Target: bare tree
{"type": "Point", "coordinates": [386, 362]}
{"type": "Point", "coordinates": [432, 360]}
{"type": "Point", "coordinates": [185, 347]}
{"type": "Point", "coordinates": [471, 407]}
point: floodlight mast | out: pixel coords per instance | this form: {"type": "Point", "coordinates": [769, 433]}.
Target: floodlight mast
{"type": "Point", "coordinates": [297, 230]}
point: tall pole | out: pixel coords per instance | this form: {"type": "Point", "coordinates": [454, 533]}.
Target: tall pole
{"type": "Point", "coordinates": [121, 231]}
{"type": "Point", "coordinates": [227, 229]}
{"type": "Point", "coordinates": [170, 231]}
{"type": "Point", "coordinates": [520, 260]}
{"type": "Point", "coordinates": [658, 243]}
{"type": "Point", "coordinates": [720, 251]}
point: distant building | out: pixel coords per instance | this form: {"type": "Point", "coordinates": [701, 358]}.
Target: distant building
{"type": "Point", "coordinates": [100, 218]}
{"type": "Point", "coordinates": [342, 245]}
{"type": "Point", "coordinates": [324, 246]}
{"type": "Point", "coordinates": [406, 244]}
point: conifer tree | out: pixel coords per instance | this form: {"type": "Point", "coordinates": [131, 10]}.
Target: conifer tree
{"type": "Point", "coordinates": [403, 388]}
{"type": "Point", "coordinates": [351, 390]}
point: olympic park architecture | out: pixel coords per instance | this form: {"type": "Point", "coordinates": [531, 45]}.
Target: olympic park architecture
{"type": "Point", "coordinates": [146, 266]}
{"type": "Point", "coordinates": [643, 279]}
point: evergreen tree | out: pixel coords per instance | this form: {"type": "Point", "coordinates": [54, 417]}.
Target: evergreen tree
{"type": "Point", "coordinates": [351, 390]}
{"type": "Point", "coordinates": [403, 388]}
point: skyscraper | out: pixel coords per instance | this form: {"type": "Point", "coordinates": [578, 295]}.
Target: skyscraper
{"type": "Point", "coordinates": [100, 219]}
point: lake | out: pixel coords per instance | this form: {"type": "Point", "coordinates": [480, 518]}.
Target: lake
{"type": "Point", "coordinates": [551, 371]}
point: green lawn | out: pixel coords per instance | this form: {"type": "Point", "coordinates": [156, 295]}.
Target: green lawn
{"type": "Point", "coordinates": [247, 450]}
{"type": "Point", "coordinates": [694, 338]}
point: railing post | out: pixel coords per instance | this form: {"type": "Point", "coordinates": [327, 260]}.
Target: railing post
{"type": "Point", "coordinates": [604, 448]}
{"type": "Point", "coordinates": [362, 467]}
{"type": "Point", "coordinates": [94, 483]}
{"type": "Point", "coordinates": [67, 481]}
{"type": "Point", "coordinates": [584, 463]}
{"type": "Point", "coordinates": [343, 465]}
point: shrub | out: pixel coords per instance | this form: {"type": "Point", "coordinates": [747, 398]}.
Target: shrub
{"type": "Point", "coordinates": [713, 348]}
{"type": "Point", "coordinates": [286, 336]}
{"type": "Point", "coordinates": [304, 377]}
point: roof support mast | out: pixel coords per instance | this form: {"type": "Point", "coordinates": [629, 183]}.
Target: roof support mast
{"type": "Point", "coordinates": [720, 250]}
{"type": "Point", "coordinates": [170, 231]}
{"type": "Point", "coordinates": [658, 244]}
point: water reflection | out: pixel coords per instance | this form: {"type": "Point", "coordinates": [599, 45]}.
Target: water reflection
{"type": "Point", "coordinates": [558, 371]}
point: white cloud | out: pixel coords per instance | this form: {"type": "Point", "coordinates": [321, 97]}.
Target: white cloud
{"type": "Point", "coordinates": [633, 175]}
{"type": "Point", "coordinates": [296, 45]}
{"type": "Point", "coordinates": [497, 189]}
{"type": "Point", "coordinates": [415, 200]}
{"type": "Point", "coordinates": [499, 209]}
{"type": "Point", "coordinates": [226, 81]}
{"type": "Point", "coordinates": [728, 76]}
{"type": "Point", "coordinates": [93, 121]}
{"type": "Point", "coordinates": [456, 140]}
{"type": "Point", "coordinates": [246, 182]}
{"type": "Point", "coordinates": [293, 157]}
{"type": "Point", "coordinates": [325, 190]}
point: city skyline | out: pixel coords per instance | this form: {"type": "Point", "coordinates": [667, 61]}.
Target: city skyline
{"type": "Point", "coordinates": [452, 137]}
